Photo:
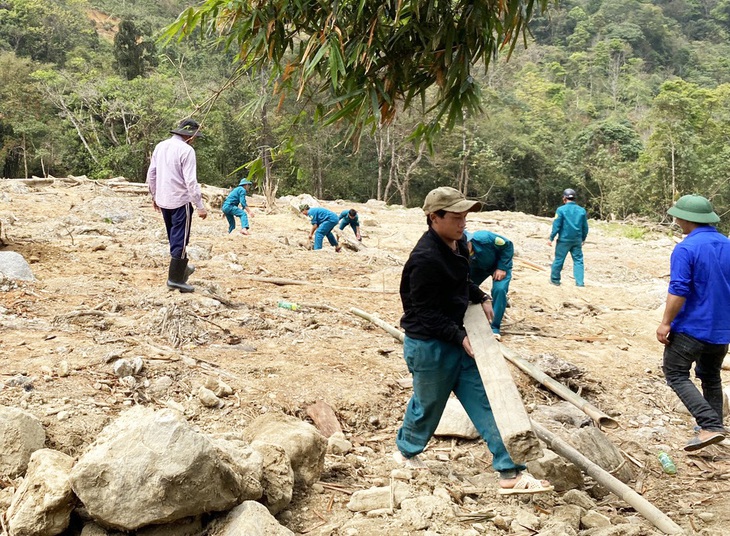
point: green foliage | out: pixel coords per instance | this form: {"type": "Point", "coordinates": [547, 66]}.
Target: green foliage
{"type": "Point", "coordinates": [132, 55]}
{"type": "Point", "coordinates": [366, 56]}
{"type": "Point", "coordinates": [45, 31]}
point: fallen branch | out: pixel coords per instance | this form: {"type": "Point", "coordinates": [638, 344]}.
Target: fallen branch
{"type": "Point", "coordinates": [380, 323]}
{"type": "Point", "coordinates": [658, 518]}
{"type": "Point", "coordinates": [282, 282]}
{"type": "Point", "coordinates": [530, 264]}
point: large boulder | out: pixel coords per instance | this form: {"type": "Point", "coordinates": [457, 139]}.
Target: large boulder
{"type": "Point", "coordinates": [151, 467]}
{"type": "Point", "coordinates": [43, 503]}
{"type": "Point", "coordinates": [301, 441]}
{"type": "Point", "coordinates": [20, 435]}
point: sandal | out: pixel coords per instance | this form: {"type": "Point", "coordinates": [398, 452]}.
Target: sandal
{"type": "Point", "coordinates": [409, 463]}
{"type": "Point", "coordinates": [526, 484]}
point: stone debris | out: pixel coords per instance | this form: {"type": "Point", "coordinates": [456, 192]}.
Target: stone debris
{"type": "Point", "coordinates": [21, 434]}
{"type": "Point", "coordinates": [43, 503]}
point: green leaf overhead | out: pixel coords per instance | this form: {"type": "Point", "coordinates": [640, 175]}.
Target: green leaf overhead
{"type": "Point", "coordinates": [367, 55]}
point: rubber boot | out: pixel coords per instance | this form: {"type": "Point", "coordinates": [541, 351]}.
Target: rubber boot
{"type": "Point", "coordinates": [189, 269]}
{"type": "Point", "coordinates": [176, 275]}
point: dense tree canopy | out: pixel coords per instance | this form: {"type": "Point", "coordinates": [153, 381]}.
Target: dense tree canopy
{"type": "Point", "coordinates": [627, 101]}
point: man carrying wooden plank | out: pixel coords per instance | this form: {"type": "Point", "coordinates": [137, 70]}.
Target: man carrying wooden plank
{"type": "Point", "coordinates": [436, 290]}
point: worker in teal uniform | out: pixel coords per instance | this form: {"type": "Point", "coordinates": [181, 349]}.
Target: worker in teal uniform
{"type": "Point", "coordinates": [230, 207]}
{"type": "Point", "coordinates": [490, 255]}
{"type": "Point", "coordinates": [350, 217]}
{"type": "Point", "coordinates": [323, 221]}
{"type": "Point", "coordinates": [571, 228]}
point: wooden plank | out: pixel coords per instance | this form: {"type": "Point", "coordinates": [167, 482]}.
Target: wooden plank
{"type": "Point", "coordinates": [504, 398]}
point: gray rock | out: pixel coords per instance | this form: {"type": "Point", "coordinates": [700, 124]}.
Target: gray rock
{"type": "Point", "coordinates": [579, 498]}
{"type": "Point", "coordinates": [560, 472]}
{"type": "Point", "coordinates": [566, 515]}
{"type": "Point", "coordinates": [455, 422]}
{"type": "Point", "coordinates": [20, 435]}
{"type": "Point", "coordinates": [595, 446]}
{"type": "Point", "coordinates": [419, 512]}
{"type": "Point", "coordinates": [338, 444]}
{"type": "Point", "coordinates": [377, 498]}
{"type": "Point", "coordinates": [92, 529]}
{"type": "Point", "coordinates": [43, 503]}
{"type": "Point", "coordinates": [592, 519]}
{"type": "Point", "coordinates": [250, 519]}
{"type": "Point", "coordinates": [277, 476]}
{"type": "Point", "coordinates": [301, 441]}
{"type": "Point", "coordinates": [151, 467]}
{"type": "Point", "coordinates": [14, 267]}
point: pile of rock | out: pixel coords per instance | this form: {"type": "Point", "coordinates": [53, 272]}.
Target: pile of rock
{"type": "Point", "coordinates": [150, 468]}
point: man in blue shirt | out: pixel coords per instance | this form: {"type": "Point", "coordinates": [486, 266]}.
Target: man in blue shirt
{"type": "Point", "coordinates": [350, 217]}
{"type": "Point", "coordinates": [571, 228]}
{"type": "Point", "coordinates": [491, 255]}
{"type": "Point", "coordinates": [231, 210]}
{"type": "Point", "coordinates": [695, 327]}
{"type": "Point", "coordinates": [323, 221]}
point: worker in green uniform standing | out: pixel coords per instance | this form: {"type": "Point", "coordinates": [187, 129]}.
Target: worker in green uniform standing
{"type": "Point", "coordinates": [571, 228]}
{"type": "Point", "coordinates": [490, 255]}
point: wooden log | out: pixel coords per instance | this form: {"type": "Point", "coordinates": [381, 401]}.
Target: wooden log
{"type": "Point", "coordinates": [530, 264]}
{"type": "Point", "coordinates": [395, 332]}
{"type": "Point", "coordinates": [504, 398]}
{"type": "Point", "coordinates": [658, 518]}
{"type": "Point", "coordinates": [281, 281]}
{"type": "Point", "coordinates": [600, 418]}
{"type": "Point", "coordinates": [324, 418]}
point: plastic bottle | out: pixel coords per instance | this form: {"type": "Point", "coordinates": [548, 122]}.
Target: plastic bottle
{"type": "Point", "coordinates": [288, 305]}
{"type": "Point", "coordinates": [667, 463]}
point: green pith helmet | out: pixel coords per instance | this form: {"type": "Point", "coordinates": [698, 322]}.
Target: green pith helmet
{"type": "Point", "coordinates": [303, 207]}
{"type": "Point", "coordinates": [694, 208]}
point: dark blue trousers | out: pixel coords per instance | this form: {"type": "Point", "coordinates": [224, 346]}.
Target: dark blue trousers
{"type": "Point", "coordinates": [177, 223]}
{"type": "Point", "coordinates": [679, 355]}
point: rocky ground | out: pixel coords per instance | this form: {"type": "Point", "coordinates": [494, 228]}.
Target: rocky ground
{"type": "Point", "coordinates": [99, 256]}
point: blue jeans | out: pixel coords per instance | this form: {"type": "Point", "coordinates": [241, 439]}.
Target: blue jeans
{"type": "Point", "coordinates": [679, 355]}
{"type": "Point", "coordinates": [325, 229]}
{"type": "Point", "coordinates": [231, 214]}
{"type": "Point", "coordinates": [438, 368]}
{"type": "Point", "coordinates": [562, 248]}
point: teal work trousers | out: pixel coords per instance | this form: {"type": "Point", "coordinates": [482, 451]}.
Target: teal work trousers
{"type": "Point", "coordinates": [438, 368]}
{"type": "Point", "coordinates": [562, 249]}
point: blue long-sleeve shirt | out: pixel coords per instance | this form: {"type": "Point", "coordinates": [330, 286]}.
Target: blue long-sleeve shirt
{"type": "Point", "coordinates": [570, 224]}
{"type": "Point", "coordinates": [700, 273]}
{"type": "Point", "coordinates": [236, 197]}
{"type": "Point", "coordinates": [346, 215]}
{"type": "Point", "coordinates": [490, 252]}
{"type": "Point", "coordinates": [319, 215]}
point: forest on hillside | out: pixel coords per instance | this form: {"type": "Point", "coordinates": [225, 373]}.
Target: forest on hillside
{"type": "Point", "coordinates": [626, 101]}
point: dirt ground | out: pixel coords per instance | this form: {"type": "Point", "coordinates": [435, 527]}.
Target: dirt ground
{"type": "Point", "coordinates": [100, 259]}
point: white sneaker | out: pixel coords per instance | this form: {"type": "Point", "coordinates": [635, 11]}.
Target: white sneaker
{"type": "Point", "coordinates": [408, 463]}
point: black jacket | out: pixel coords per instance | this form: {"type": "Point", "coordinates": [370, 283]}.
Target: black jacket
{"type": "Point", "coordinates": [435, 290]}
